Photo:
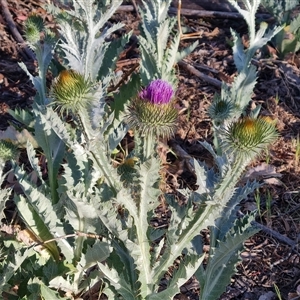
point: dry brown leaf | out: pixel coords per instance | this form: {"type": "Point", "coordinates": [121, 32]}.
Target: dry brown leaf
{"type": "Point", "coordinates": [264, 172]}
{"type": "Point", "coordinates": [19, 138]}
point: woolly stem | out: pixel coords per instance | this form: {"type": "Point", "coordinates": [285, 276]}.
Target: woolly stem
{"type": "Point", "coordinates": [149, 145]}
{"type": "Point", "coordinates": [98, 157]}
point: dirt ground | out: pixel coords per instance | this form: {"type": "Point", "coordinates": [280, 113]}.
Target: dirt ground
{"type": "Point", "coordinates": [272, 256]}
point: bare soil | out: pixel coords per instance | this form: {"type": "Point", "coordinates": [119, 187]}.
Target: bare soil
{"type": "Point", "coordinates": [271, 257]}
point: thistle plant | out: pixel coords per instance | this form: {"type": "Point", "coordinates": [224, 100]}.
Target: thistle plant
{"type": "Point", "coordinates": [90, 225]}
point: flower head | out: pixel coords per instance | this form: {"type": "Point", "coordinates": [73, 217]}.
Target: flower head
{"type": "Point", "coordinates": [249, 136]}
{"type": "Point", "coordinates": [34, 25]}
{"type": "Point", "coordinates": [157, 92]}
{"type": "Point", "coordinates": [153, 111]}
{"type": "Point", "coordinates": [220, 110]}
{"type": "Point", "coordinates": [71, 91]}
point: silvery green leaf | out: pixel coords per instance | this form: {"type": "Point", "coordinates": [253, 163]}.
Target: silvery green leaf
{"type": "Point", "coordinates": [111, 55]}
{"type": "Point", "coordinates": [186, 51]}
{"type": "Point", "coordinates": [163, 36]}
{"type": "Point", "coordinates": [295, 24]}
{"type": "Point", "coordinates": [149, 68]}
{"type": "Point", "coordinates": [35, 220]}
{"type": "Point", "coordinates": [39, 215]}
{"type": "Point", "coordinates": [117, 281]}
{"type": "Point", "coordinates": [65, 284]}
{"type": "Point", "coordinates": [220, 161]}
{"type": "Point", "coordinates": [34, 161]}
{"type": "Point", "coordinates": [13, 262]}
{"type": "Point", "coordinates": [38, 83]}
{"type": "Point", "coordinates": [98, 252]}
{"type": "Point", "coordinates": [23, 116]}
{"type": "Point", "coordinates": [126, 92]}
{"type": "Point", "coordinates": [229, 214]}
{"type": "Point", "coordinates": [255, 112]}
{"type": "Point", "coordinates": [243, 86]}
{"type": "Point", "coordinates": [85, 47]}
{"type": "Point", "coordinates": [116, 136]}
{"type": "Point", "coordinates": [47, 293]}
{"type": "Point", "coordinates": [52, 145]}
{"type": "Point", "coordinates": [202, 178]}
{"type": "Point", "coordinates": [223, 259]}
{"type": "Point", "coordinates": [4, 196]}
{"type": "Point", "coordinates": [261, 38]}
{"type": "Point", "coordinates": [186, 269]}
{"type": "Point", "coordinates": [71, 47]}
{"type": "Point", "coordinates": [248, 14]}
{"type": "Point", "coordinates": [239, 56]}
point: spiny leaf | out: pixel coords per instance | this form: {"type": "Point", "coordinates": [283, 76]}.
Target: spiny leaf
{"type": "Point", "coordinates": [226, 221]}
{"type": "Point", "coordinates": [97, 253]}
{"type": "Point", "coordinates": [111, 54]}
{"type": "Point", "coordinates": [47, 293]}
{"type": "Point", "coordinates": [40, 217]}
{"type": "Point", "coordinates": [34, 161]}
{"type": "Point", "coordinates": [127, 92]}
{"type": "Point", "coordinates": [13, 262]}
{"type": "Point", "coordinates": [23, 116]}
{"type": "Point", "coordinates": [186, 51]}
{"type": "Point", "coordinates": [242, 88]}
{"type": "Point", "coordinates": [222, 262]}
{"type": "Point", "coordinates": [36, 224]}
{"type": "Point", "coordinates": [239, 55]}
{"type": "Point", "coordinates": [181, 275]}
{"type": "Point", "coordinates": [118, 282]}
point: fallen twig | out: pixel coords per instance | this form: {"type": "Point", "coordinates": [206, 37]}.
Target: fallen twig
{"type": "Point", "coordinates": [127, 62]}
{"type": "Point", "coordinates": [14, 31]}
{"type": "Point", "coordinates": [275, 234]}
{"type": "Point", "coordinates": [182, 155]}
{"type": "Point", "coordinates": [213, 14]}
{"type": "Point", "coordinates": [217, 83]}
{"type": "Point", "coordinates": [200, 13]}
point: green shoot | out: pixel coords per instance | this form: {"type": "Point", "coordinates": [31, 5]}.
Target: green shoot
{"type": "Point", "coordinates": [277, 291]}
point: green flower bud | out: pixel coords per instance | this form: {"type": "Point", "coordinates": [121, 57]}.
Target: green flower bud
{"type": "Point", "coordinates": [34, 25]}
{"type": "Point", "coordinates": [8, 151]}
{"type": "Point", "coordinates": [249, 136]}
{"type": "Point", "coordinates": [153, 112]}
{"type": "Point", "coordinates": [220, 110]}
{"type": "Point", "coordinates": [71, 91]}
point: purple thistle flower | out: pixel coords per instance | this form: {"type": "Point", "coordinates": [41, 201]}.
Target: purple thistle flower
{"type": "Point", "coordinates": [157, 92]}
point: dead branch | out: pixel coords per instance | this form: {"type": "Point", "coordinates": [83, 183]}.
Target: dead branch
{"type": "Point", "coordinates": [182, 155]}
{"type": "Point", "coordinates": [275, 234]}
{"type": "Point", "coordinates": [14, 31]}
{"type": "Point", "coordinates": [215, 82]}
{"type": "Point", "coordinates": [127, 62]}
{"type": "Point", "coordinates": [200, 13]}
{"type": "Point", "coordinates": [195, 13]}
